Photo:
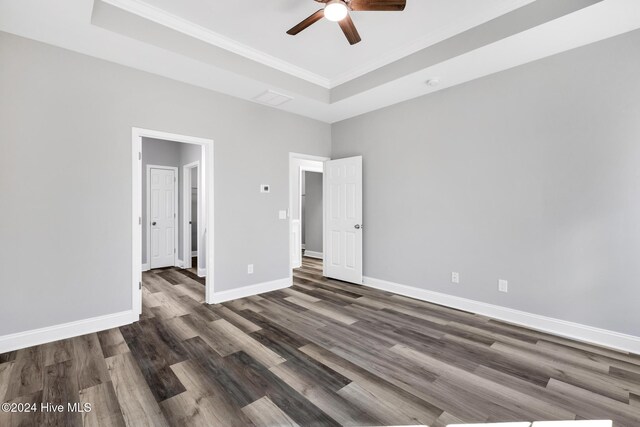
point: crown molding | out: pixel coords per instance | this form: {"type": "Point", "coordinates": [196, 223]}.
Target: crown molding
{"type": "Point", "coordinates": [66, 26]}
{"type": "Point", "coordinates": [463, 24]}
{"type": "Point", "coordinates": [184, 26]}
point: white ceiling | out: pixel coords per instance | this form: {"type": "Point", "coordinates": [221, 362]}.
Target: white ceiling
{"type": "Point", "coordinates": [322, 48]}
{"type": "Point", "coordinates": [68, 24]}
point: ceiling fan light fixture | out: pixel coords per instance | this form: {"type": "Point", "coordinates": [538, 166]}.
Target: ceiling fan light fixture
{"type": "Point", "coordinates": [335, 10]}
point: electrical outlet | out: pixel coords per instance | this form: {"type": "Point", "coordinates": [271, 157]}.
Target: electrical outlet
{"type": "Point", "coordinates": [250, 269]}
{"type": "Point", "coordinates": [503, 286]}
{"type": "Point", "coordinates": [455, 277]}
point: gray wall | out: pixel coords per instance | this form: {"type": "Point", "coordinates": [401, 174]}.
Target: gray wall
{"type": "Point", "coordinates": [166, 153]}
{"type": "Point", "coordinates": [530, 175]}
{"type": "Point", "coordinates": [313, 211]}
{"type": "Point", "coordinates": [65, 136]}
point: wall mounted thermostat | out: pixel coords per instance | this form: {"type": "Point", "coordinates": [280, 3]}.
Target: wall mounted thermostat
{"type": "Point", "coordinates": [264, 188]}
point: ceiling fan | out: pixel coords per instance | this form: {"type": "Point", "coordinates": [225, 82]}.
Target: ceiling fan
{"type": "Point", "coordinates": [338, 11]}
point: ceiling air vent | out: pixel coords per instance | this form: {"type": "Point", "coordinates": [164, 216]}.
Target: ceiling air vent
{"type": "Point", "coordinates": [272, 98]}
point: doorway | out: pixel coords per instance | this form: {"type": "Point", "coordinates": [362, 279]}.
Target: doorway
{"type": "Point", "coordinates": [193, 258]}
{"type": "Point", "coordinates": [205, 209]}
{"type": "Point", "coordinates": [299, 166]}
{"type": "Point", "coordinates": [311, 214]}
{"type": "Point", "coordinates": [342, 226]}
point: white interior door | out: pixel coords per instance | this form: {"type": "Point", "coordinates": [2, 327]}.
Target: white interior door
{"type": "Point", "coordinates": [342, 183]}
{"type": "Point", "coordinates": [162, 217]}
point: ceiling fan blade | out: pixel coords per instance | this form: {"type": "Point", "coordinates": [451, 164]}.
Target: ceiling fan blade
{"type": "Point", "coordinates": [378, 5]}
{"type": "Point", "coordinates": [313, 18]}
{"type": "Point", "coordinates": [349, 30]}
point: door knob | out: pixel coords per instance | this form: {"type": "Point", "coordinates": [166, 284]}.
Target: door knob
{"type": "Point", "coordinates": [153, 223]}
{"type": "Point", "coordinates": [357, 226]}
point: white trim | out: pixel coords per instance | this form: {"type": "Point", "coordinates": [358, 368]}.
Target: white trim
{"type": "Point", "coordinates": [303, 246]}
{"type": "Point", "coordinates": [308, 157]}
{"type": "Point", "coordinates": [247, 291]}
{"type": "Point", "coordinates": [183, 26]}
{"type": "Point", "coordinates": [65, 330]}
{"type": "Point", "coordinates": [202, 272]}
{"type": "Point", "coordinates": [186, 213]}
{"type": "Point", "coordinates": [461, 24]}
{"type": "Point", "coordinates": [180, 263]}
{"type": "Point", "coordinates": [175, 211]}
{"type": "Point", "coordinates": [145, 266]}
{"type": "Point", "coordinates": [295, 175]}
{"type": "Point", "coordinates": [313, 254]}
{"type": "Point", "coordinates": [563, 328]}
{"type": "Point", "coordinates": [136, 221]}
{"type": "Point", "coordinates": [207, 165]}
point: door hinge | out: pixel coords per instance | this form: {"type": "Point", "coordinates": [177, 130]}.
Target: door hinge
{"type": "Point", "coordinates": [139, 220]}
{"type": "Point", "coordinates": [174, 250]}
{"type": "Point", "coordinates": [140, 285]}
{"type": "Point", "coordinates": [139, 155]}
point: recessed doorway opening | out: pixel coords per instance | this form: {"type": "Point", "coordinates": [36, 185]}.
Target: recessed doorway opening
{"type": "Point", "coordinates": [311, 214]}
{"type": "Point", "coordinates": [306, 210]}
{"type": "Point", "coordinates": [192, 218]}
{"type": "Point", "coordinates": [172, 207]}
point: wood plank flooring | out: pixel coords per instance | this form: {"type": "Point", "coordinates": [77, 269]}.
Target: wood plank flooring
{"type": "Point", "coordinates": [321, 353]}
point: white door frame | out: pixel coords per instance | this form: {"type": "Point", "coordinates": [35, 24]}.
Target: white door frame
{"type": "Point", "coordinates": [175, 211]}
{"type": "Point", "coordinates": [206, 170]}
{"type": "Point", "coordinates": [295, 174]}
{"type": "Point", "coordinates": [186, 216]}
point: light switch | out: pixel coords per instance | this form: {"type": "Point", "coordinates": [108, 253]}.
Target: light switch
{"type": "Point", "coordinates": [282, 214]}
{"type": "Point", "coordinates": [265, 188]}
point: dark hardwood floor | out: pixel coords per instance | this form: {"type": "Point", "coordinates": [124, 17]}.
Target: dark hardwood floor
{"type": "Point", "coordinates": [321, 353]}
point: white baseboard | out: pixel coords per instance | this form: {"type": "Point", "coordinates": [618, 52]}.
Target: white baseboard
{"type": "Point", "coordinates": [194, 253]}
{"type": "Point", "coordinates": [180, 263]}
{"type": "Point", "coordinates": [145, 267]}
{"type": "Point", "coordinates": [250, 290]}
{"type": "Point", "coordinates": [303, 246]}
{"type": "Point", "coordinates": [312, 254]}
{"type": "Point", "coordinates": [202, 272]}
{"type": "Point", "coordinates": [577, 331]}
{"type": "Point", "coordinates": [66, 330]}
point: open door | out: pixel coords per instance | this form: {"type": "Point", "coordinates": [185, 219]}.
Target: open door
{"type": "Point", "coordinates": [342, 183]}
